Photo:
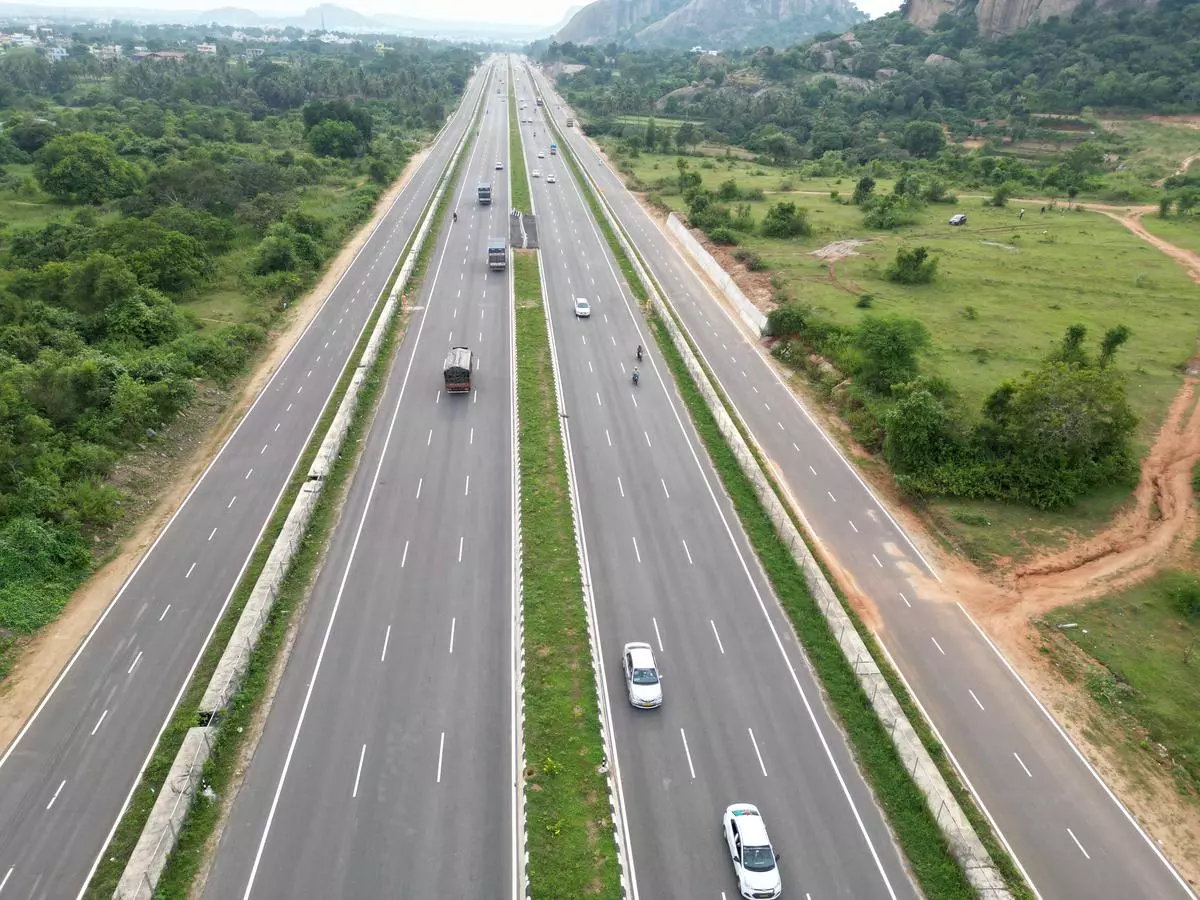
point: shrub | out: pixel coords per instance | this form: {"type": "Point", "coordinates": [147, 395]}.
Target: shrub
{"type": "Point", "coordinates": [749, 259]}
{"type": "Point", "coordinates": [865, 301]}
{"type": "Point", "coordinates": [889, 212]}
{"type": "Point", "coordinates": [913, 266]}
{"type": "Point", "coordinates": [786, 220]}
{"type": "Point", "coordinates": [724, 236]}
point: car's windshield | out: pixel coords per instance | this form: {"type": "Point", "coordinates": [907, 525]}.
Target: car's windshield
{"type": "Point", "coordinates": [645, 676]}
{"type": "Point", "coordinates": [758, 859]}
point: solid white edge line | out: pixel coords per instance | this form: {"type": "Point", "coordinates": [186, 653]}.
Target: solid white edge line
{"type": "Point", "coordinates": [1083, 759]}
{"type": "Point", "coordinates": [349, 564]}
{"type": "Point", "coordinates": [962, 774]}
{"type": "Point", "coordinates": [750, 578]}
{"type": "Point", "coordinates": [625, 846]}
{"type": "Point", "coordinates": [775, 374]}
{"type": "Point", "coordinates": [253, 545]}
{"type": "Point", "coordinates": [358, 774]}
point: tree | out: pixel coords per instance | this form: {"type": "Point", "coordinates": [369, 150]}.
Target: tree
{"type": "Point", "coordinates": [887, 350]}
{"type": "Point", "coordinates": [924, 139]}
{"type": "Point", "coordinates": [786, 220]}
{"type": "Point", "coordinates": [651, 134]}
{"type": "Point", "coordinates": [913, 266]}
{"type": "Point", "coordinates": [862, 190]}
{"type": "Point", "coordinates": [918, 432]}
{"type": "Point", "coordinates": [335, 138]}
{"type": "Point", "coordinates": [84, 168]}
{"type": "Point", "coordinates": [685, 136]}
{"type": "Point", "coordinates": [1113, 340]}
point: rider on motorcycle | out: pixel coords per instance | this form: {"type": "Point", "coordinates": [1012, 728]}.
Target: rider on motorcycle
{"type": "Point", "coordinates": [456, 215]}
{"type": "Point", "coordinates": [639, 353]}
{"type": "Point", "coordinates": [635, 375]}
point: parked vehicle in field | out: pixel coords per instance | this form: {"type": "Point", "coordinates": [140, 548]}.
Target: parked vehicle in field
{"type": "Point", "coordinates": [959, 219]}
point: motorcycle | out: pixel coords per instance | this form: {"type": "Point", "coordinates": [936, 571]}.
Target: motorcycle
{"type": "Point", "coordinates": [639, 353]}
{"type": "Point", "coordinates": [635, 377]}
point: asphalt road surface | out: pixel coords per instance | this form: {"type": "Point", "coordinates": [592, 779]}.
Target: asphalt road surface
{"type": "Point", "coordinates": [742, 718]}
{"type": "Point", "coordinates": [65, 779]}
{"type": "Point", "coordinates": [1068, 831]}
{"type": "Point", "coordinates": [388, 761]}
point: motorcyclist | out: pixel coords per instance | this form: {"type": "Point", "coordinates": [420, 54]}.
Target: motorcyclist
{"type": "Point", "coordinates": [639, 353]}
{"type": "Point", "coordinates": [635, 375]}
{"type": "Point", "coordinates": [456, 219]}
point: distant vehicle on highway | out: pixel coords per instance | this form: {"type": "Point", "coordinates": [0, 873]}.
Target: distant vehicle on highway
{"type": "Point", "coordinates": [499, 166]}
{"type": "Point", "coordinates": [959, 219]}
{"type": "Point", "coordinates": [550, 179]}
{"type": "Point", "coordinates": [541, 155]}
{"type": "Point", "coordinates": [457, 370]}
{"type": "Point", "coordinates": [497, 254]}
{"type": "Point", "coordinates": [583, 309]}
{"type": "Point", "coordinates": [536, 173]}
{"type": "Point", "coordinates": [643, 683]}
{"type": "Point", "coordinates": [754, 860]}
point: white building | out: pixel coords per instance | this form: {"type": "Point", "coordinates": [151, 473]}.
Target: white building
{"type": "Point", "coordinates": [56, 54]}
{"type": "Point", "coordinates": [206, 49]}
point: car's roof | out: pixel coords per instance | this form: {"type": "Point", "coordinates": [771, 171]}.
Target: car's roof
{"type": "Point", "coordinates": [585, 300]}
{"type": "Point", "coordinates": [750, 825]}
{"type": "Point", "coordinates": [643, 656]}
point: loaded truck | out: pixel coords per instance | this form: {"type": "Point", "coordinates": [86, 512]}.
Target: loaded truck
{"type": "Point", "coordinates": [541, 102]}
{"type": "Point", "coordinates": [554, 149]}
{"type": "Point", "coordinates": [456, 370]}
{"type": "Point", "coordinates": [484, 192]}
{"type": "Point", "coordinates": [497, 254]}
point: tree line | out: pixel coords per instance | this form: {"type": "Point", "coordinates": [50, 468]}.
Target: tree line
{"type": "Point", "coordinates": [159, 183]}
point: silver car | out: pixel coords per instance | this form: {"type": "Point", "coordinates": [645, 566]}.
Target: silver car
{"type": "Point", "coordinates": [643, 681]}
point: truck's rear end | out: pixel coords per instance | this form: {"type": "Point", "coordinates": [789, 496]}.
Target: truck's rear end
{"type": "Point", "coordinates": [484, 193]}
{"type": "Point", "coordinates": [497, 254]}
{"type": "Point", "coordinates": [457, 370]}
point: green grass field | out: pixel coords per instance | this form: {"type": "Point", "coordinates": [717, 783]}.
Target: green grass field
{"type": "Point", "coordinates": [1156, 148]}
{"type": "Point", "coordinates": [1007, 290]}
{"type": "Point", "coordinates": [1181, 231]}
{"type": "Point", "coordinates": [1150, 654]}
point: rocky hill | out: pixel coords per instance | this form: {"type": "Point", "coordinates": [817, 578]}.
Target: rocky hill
{"type": "Point", "coordinates": [998, 17]}
{"type": "Point", "coordinates": [707, 23]}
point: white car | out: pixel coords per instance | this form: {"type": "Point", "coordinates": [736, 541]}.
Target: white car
{"type": "Point", "coordinates": [541, 155]}
{"type": "Point", "coordinates": [550, 179]}
{"type": "Point", "coordinates": [643, 681]}
{"type": "Point", "coordinates": [583, 309]}
{"type": "Point", "coordinates": [499, 166]}
{"type": "Point", "coordinates": [754, 859]}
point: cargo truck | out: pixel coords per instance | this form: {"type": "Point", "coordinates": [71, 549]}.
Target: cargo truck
{"type": "Point", "coordinates": [456, 370]}
{"type": "Point", "coordinates": [540, 102]}
{"type": "Point", "coordinates": [484, 192]}
{"type": "Point", "coordinates": [497, 254]}
{"type": "Point", "coordinates": [554, 149]}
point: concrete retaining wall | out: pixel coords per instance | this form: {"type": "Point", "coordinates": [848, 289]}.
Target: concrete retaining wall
{"type": "Point", "coordinates": [722, 279]}
{"type": "Point", "coordinates": [964, 844]}
{"type": "Point", "coordinates": [159, 834]}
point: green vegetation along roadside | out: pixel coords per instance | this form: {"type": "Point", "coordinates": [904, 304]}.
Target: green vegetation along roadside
{"type": "Point", "coordinates": [519, 182]}
{"type": "Point", "coordinates": [156, 217]}
{"type": "Point", "coordinates": [572, 852]}
{"type": "Point", "coordinates": [236, 725]}
{"type": "Point", "coordinates": [906, 809]}
{"type": "Point", "coordinates": [1140, 653]}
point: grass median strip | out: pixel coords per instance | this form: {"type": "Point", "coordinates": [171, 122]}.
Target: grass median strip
{"type": "Point", "coordinates": [571, 848]}
{"type": "Point", "coordinates": [516, 155]}
{"type": "Point", "coordinates": [916, 830]}
{"type": "Point", "coordinates": [197, 828]}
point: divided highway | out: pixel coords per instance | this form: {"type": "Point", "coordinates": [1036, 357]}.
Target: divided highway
{"type": "Point", "coordinates": [387, 767]}
{"type": "Point", "coordinates": [667, 563]}
{"type": "Point", "coordinates": [66, 778]}
{"type": "Point", "coordinates": [1072, 836]}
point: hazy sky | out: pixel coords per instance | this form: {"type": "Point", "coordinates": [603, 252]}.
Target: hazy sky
{"type": "Point", "coordinates": [546, 12]}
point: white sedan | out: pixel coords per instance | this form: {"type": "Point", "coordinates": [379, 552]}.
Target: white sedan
{"type": "Point", "coordinates": [550, 179]}
{"type": "Point", "coordinates": [643, 682]}
{"type": "Point", "coordinates": [754, 860]}
{"type": "Point", "coordinates": [541, 155]}
{"type": "Point", "coordinates": [499, 166]}
{"type": "Point", "coordinates": [583, 309]}
{"type": "Point", "coordinates": [536, 173]}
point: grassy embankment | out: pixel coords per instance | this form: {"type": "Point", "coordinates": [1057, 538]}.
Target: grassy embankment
{"type": "Point", "coordinates": [236, 724]}
{"type": "Point", "coordinates": [914, 825]}
{"type": "Point", "coordinates": [1182, 231]}
{"type": "Point", "coordinates": [1140, 654]}
{"type": "Point", "coordinates": [1007, 290]}
{"type": "Point", "coordinates": [571, 848]}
